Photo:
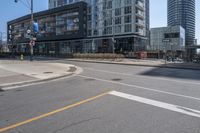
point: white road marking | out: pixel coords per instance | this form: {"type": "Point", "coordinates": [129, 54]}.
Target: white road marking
{"type": "Point", "coordinates": [126, 74]}
{"type": "Point", "coordinates": [140, 87]}
{"type": "Point", "coordinates": [37, 83]}
{"type": "Point", "coordinates": [79, 70]}
{"type": "Point", "coordinates": [171, 107]}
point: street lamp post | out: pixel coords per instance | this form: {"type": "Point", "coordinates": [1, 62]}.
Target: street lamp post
{"type": "Point", "coordinates": [31, 45]}
{"type": "Point", "coordinates": [113, 37]}
{"type": "Point", "coordinates": [32, 32]}
{"type": "Point", "coordinates": [1, 45]}
{"type": "Point", "coordinates": [1, 37]}
{"type": "Point", "coordinates": [165, 52]}
{"type": "Point", "coordinates": [166, 41]}
{"type": "Point", "coordinates": [172, 55]}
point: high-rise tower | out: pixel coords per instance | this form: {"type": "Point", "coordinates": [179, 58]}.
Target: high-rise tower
{"type": "Point", "coordinates": [127, 21]}
{"type": "Point", "coordinates": [182, 12]}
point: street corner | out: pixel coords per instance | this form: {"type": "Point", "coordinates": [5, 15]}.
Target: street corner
{"type": "Point", "coordinates": [49, 71]}
{"type": "Point", "coordinates": [17, 73]}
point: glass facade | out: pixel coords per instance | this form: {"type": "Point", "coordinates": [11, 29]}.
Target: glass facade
{"type": "Point", "coordinates": [67, 22]}
{"type": "Point", "coordinates": [64, 23]}
{"type": "Point", "coordinates": [56, 27]}
{"type": "Point", "coordinates": [101, 13]}
{"type": "Point", "coordinates": [182, 12]}
{"type": "Point", "coordinates": [100, 26]}
{"type": "Point", "coordinates": [107, 19]}
{"type": "Point", "coordinates": [167, 38]}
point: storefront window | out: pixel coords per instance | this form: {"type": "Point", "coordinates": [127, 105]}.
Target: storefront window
{"type": "Point", "coordinates": [67, 22]}
{"type": "Point", "coordinates": [64, 48]}
{"type": "Point", "coordinates": [52, 48]}
{"type": "Point", "coordinates": [41, 48]}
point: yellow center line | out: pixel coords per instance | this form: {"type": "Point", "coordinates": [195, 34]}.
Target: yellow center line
{"type": "Point", "coordinates": [52, 113]}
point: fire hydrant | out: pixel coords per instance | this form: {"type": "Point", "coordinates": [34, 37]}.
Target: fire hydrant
{"type": "Point", "coordinates": [22, 57]}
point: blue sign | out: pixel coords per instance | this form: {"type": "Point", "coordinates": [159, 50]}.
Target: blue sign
{"type": "Point", "coordinates": [35, 27]}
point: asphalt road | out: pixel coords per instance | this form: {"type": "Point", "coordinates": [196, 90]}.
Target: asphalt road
{"type": "Point", "coordinates": [106, 98]}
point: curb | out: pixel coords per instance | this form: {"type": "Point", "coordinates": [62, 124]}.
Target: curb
{"type": "Point", "coordinates": [145, 65]}
{"type": "Point", "coordinates": [71, 70]}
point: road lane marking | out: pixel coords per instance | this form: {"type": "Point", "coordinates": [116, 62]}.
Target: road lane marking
{"type": "Point", "coordinates": [131, 75]}
{"type": "Point", "coordinates": [140, 87]}
{"type": "Point", "coordinates": [167, 106]}
{"type": "Point", "coordinates": [53, 112]}
{"type": "Point", "coordinates": [79, 70]}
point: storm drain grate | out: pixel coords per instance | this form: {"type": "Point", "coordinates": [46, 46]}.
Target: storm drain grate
{"type": "Point", "coordinates": [89, 79]}
{"type": "Point", "coordinates": [71, 69]}
{"type": "Point", "coordinates": [47, 72]}
{"type": "Point", "coordinates": [116, 79]}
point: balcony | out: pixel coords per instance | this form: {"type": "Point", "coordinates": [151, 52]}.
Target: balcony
{"type": "Point", "coordinates": [140, 15]}
{"type": "Point", "coordinates": [139, 30]}
{"type": "Point", "coordinates": [140, 23]}
{"type": "Point", "coordinates": [139, 5]}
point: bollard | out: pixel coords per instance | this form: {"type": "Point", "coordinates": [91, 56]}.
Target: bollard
{"type": "Point", "coordinates": [22, 57]}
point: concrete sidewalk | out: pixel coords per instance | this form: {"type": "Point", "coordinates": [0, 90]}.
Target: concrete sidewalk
{"type": "Point", "coordinates": [14, 72]}
{"type": "Point", "coordinates": [148, 63]}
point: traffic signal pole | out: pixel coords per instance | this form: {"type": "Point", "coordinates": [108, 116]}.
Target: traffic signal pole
{"type": "Point", "coordinates": [32, 32]}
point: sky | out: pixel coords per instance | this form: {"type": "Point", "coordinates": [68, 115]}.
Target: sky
{"type": "Point", "coordinates": [158, 12]}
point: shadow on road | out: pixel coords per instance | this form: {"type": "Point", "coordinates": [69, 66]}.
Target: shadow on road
{"type": "Point", "coordinates": [180, 73]}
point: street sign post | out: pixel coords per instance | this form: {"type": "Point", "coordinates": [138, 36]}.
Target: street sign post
{"type": "Point", "coordinates": [166, 41]}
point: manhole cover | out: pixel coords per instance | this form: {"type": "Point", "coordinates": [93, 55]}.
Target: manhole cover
{"type": "Point", "coordinates": [47, 72]}
{"type": "Point", "coordinates": [71, 69]}
{"type": "Point", "coordinates": [116, 79]}
{"type": "Point", "coordinates": [89, 79]}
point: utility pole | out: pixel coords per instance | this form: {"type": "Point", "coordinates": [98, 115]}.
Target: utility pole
{"type": "Point", "coordinates": [31, 23]}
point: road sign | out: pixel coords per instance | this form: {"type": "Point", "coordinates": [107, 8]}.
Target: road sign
{"type": "Point", "coordinates": [34, 38]}
{"type": "Point", "coordinates": [28, 31]}
{"type": "Point", "coordinates": [32, 43]}
{"type": "Point", "coordinates": [166, 40]}
{"type": "Point", "coordinates": [35, 27]}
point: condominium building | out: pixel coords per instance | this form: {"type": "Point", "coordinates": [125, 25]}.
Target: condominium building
{"type": "Point", "coordinates": [182, 12]}
{"type": "Point", "coordinates": [104, 26]}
